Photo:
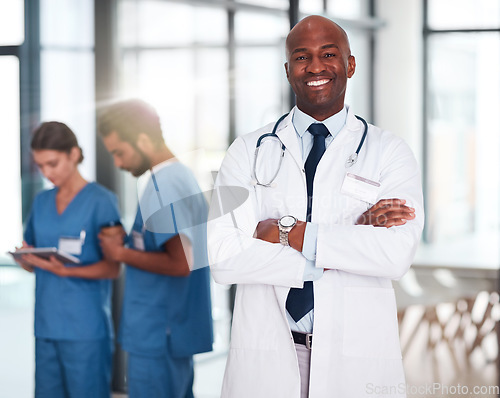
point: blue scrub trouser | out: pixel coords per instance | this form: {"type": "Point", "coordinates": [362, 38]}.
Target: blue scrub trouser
{"type": "Point", "coordinates": [73, 369]}
{"type": "Point", "coordinates": [160, 377]}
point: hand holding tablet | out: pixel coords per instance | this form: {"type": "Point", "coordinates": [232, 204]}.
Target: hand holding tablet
{"type": "Point", "coordinates": [45, 253]}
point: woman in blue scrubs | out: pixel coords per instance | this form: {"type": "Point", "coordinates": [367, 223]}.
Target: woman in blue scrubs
{"type": "Point", "coordinates": [73, 327]}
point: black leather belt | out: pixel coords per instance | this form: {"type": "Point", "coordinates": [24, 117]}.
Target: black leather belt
{"type": "Point", "coordinates": [303, 338]}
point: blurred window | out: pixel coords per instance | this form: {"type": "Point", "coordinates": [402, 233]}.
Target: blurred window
{"type": "Point", "coordinates": [282, 4]}
{"type": "Point", "coordinates": [161, 23]}
{"type": "Point", "coordinates": [358, 93]}
{"type": "Point", "coordinates": [66, 23]}
{"type": "Point", "coordinates": [175, 57]}
{"type": "Point", "coordinates": [312, 6]}
{"type": "Point", "coordinates": [463, 132]}
{"type": "Point", "coordinates": [256, 27]}
{"type": "Point", "coordinates": [463, 14]}
{"type": "Point", "coordinates": [261, 88]}
{"type": "Point", "coordinates": [11, 22]}
{"type": "Point", "coordinates": [11, 38]}
{"type": "Point", "coordinates": [10, 157]}
{"type": "Point", "coordinates": [67, 71]}
{"type": "Point", "coordinates": [352, 9]}
{"type": "Point", "coordinates": [349, 9]}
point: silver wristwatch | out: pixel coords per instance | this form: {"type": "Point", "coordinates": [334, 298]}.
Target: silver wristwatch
{"type": "Point", "coordinates": [285, 225]}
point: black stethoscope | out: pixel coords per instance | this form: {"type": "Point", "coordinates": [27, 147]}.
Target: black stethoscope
{"type": "Point", "coordinates": [351, 160]}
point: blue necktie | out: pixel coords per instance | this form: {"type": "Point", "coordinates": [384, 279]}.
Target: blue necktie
{"type": "Point", "coordinates": [300, 301]}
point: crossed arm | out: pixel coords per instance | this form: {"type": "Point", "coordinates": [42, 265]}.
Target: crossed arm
{"type": "Point", "coordinates": [385, 213]}
{"type": "Point", "coordinates": [238, 243]}
{"type": "Point", "coordinates": [173, 260]}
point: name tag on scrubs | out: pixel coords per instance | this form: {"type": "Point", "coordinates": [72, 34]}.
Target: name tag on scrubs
{"type": "Point", "coordinates": [70, 245]}
{"type": "Point", "coordinates": [138, 240]}
{"type": "Point", "coordinates": [360, 188]}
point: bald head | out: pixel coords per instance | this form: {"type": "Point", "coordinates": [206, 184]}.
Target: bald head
{"type": "Point", "coordinates": [316, 23]}
{"type": "Point", "coordinates": [319, 62]}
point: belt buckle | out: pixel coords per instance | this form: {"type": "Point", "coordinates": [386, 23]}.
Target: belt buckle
{"type": "Point", "coordinates": [309, 340]}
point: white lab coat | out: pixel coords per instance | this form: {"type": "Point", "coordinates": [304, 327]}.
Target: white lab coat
{"type": "Point", "coordinates": [356, 351]}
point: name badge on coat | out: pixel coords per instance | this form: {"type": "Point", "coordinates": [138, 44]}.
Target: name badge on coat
{"type": "Point", "coordinates": [72, 245]}
{"type": "Point", "coordinates": [360, 188]}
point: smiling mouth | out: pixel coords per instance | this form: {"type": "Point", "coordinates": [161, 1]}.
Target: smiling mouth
{"type": "Point", "coordinates": [317, 83]}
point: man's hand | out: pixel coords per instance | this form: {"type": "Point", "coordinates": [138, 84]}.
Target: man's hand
{"type": "Point", "coordinates": [111, 246]}
{"type": "Point", "coordinates": [25, 265]}
{"type": "Point", "coordinates": [387, 213]}
{"type": "Point", "coordinates": [268, 230]}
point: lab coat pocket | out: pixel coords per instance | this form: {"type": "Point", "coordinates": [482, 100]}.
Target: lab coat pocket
{"type": "Point", "coordinates": [370, 323]}
{"type": "Point", "coordinates": [351, 209]}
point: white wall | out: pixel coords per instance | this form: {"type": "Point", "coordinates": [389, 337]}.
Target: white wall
{"type": "Point", "coordinates": [398, 71]}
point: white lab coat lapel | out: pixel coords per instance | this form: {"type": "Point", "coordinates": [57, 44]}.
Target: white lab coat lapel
{"type": "Point", "coordinates": [288, 135]}
{"type": "Point", "coordinates": [348, 137]}
{"type": "Point", "coordinates": [331, 168]}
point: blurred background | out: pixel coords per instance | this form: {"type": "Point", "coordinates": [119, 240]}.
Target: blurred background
{"type": "Point", "coordinates": [427, 70]}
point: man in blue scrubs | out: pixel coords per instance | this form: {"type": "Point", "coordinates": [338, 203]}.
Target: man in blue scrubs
{"type": "Point", "coordinates": [166, 316]}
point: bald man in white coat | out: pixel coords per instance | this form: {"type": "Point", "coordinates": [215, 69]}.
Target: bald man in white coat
{"type": "Point", "coordinates": [283, 238]}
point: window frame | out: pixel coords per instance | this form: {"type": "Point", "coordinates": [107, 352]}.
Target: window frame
{"type": "Point", "coordinates": [428, 32]}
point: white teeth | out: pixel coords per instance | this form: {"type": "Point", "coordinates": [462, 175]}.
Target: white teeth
{"type": "Point", "coordinates": [317, 82]}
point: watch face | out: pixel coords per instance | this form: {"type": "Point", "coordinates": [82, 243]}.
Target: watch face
{"type": "Point", "coordinates": [287, 221]}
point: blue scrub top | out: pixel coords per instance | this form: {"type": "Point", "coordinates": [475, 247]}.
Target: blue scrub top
{"type": "Point", "coordinates": [162, 313]}
{"type": "Point", "coordinates": [72, 308]}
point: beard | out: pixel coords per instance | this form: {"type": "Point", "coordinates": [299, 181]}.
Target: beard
{"type": "Point", "coordinates": [143, 166]}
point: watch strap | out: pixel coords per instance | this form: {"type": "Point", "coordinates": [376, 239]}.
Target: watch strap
{"type": "Point", "coordinates": [284, 237]}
